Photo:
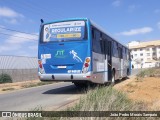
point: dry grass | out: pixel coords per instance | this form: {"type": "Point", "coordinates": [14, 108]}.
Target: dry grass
{"type": "Point", "coordinates": [105, 99]}
{"type": "Point", "coordinates": [151, 72]}
{"type": "Point", "coordinates": [8, 89]}
{"type": "Point", "coordinates": [21, 85]}
{"type": "Point", "coordinates": [109, 99]}
{"type": "Point", "coordinates": [36, 84]}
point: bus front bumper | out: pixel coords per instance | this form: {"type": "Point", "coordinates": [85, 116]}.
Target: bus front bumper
{"type": "Point", "coordinates": [64, 77]}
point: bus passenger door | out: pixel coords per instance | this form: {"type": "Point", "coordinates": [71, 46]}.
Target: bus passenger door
{"type": "Point", "coordinates": [121, 62]}
{"type": "Point", "coordinates": [105, 61]}
{"type": "Point", "coordinates": [109, 57]}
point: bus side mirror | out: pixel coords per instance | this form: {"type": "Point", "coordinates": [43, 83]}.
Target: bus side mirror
{"type": "Point", "coordinates": [42, 21]}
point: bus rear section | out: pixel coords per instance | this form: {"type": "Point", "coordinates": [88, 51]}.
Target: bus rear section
{"type": "Point", "coordinates": [64, 51]}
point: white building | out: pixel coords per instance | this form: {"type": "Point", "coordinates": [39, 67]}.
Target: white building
{"type": "Point", "coordinates": [145, 54]}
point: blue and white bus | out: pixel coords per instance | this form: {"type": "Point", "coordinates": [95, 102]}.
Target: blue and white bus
{"type": "Point", "coordinates": [79, 51]}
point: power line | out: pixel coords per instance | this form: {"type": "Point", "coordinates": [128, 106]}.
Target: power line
{"type": "Point", "coordinates": [39, 11]}
{"type": "Point", "coordinates": [17, 31]}
{"type": "Point", "coordinates": [42, 9]}
{"type": "Point", "coordinates": [18, 36]}
{"type": "Point", "coordinates": [27, 8]}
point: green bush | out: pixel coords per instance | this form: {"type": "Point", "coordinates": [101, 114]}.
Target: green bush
{"type": "Point", "coordinates": [5, 78]}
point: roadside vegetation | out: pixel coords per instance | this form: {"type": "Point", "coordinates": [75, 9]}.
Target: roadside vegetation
{"type": "Point", "coordinates": [8, 89]}
{"type": "Point", "coordinates": [151, 72]}
{"type": "Point", "coordinates": [36, 84]}
{"type": "Point", "coordinates": [102, 98]}
{"type": "Point", "coordinates": [5, 78]}
{"type": "Point", "coordinates": [105, 99]}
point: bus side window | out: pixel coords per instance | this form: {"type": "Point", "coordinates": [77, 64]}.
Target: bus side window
{"type": "Point", "coordinates": [93, 33]}
{"type": "Point", "coordinates": [93, 39]}
{"type": "Point", "coordinates": [124, 53]}
{"type": "Point", "coordinates": [98, 46]}
{"type": "Point", "coordinates": [102, 42]}
{"type": "Point", "coordinates": [119, 52]}
{"type": "Point", "coordinates": [128, 55]}
{"type": "Point", "coordinates": [108, 51]}
{"type": "Point", "coordinates": [115, 49]}
{"type": "Point", "coordinates": [96, 41]}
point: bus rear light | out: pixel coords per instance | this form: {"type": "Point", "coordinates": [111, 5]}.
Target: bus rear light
{"type": "Point", "coordinates": [40, 63]}
{"type": "Point", "coordinates": [87, 60]}
{"type": "Point", "coordinates": [88, 76]}
{"type": "Point", "coordinates": [86, 64]}
{"type": "Point", "coordinates": [41, 69]}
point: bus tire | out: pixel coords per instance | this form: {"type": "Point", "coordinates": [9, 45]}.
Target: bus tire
{"type": "Point", "coordinates": [127, 72]}
{"type": "Point", "coordinates": [113, 77]}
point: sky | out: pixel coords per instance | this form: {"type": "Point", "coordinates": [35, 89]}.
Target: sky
{"type": "Point", "coordinates": [125, 20]}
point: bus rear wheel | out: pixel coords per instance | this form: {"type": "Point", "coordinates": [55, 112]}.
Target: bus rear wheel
{"type": "Point", "coordinates": [127, 72]}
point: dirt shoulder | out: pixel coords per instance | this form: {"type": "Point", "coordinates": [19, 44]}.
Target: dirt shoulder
{"type": "Point", "coordinates": [146, 90]}
{"type": "Point", "coordinates": [8, 87]}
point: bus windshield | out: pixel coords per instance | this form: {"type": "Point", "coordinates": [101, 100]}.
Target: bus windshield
{"type": "Point", "coordinates": [63, 31]}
